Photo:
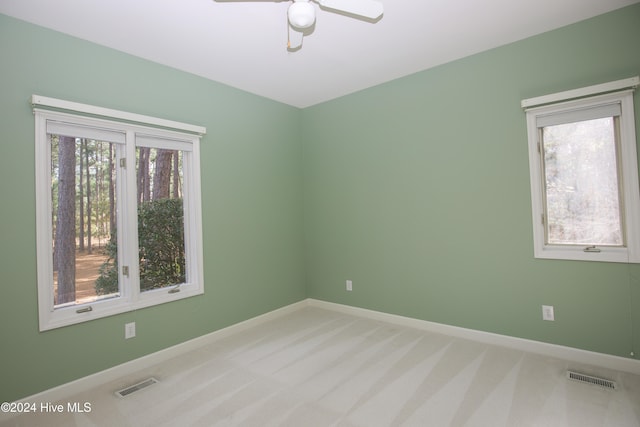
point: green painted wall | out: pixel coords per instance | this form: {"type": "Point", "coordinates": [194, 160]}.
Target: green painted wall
{"type": "Point", "coordinates": [418, 191]}
{"type": "Point", "coordinates": [251, 204]}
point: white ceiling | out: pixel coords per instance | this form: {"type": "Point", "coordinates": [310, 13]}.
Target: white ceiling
{"type": "Point", "coordinates": [243, 44]}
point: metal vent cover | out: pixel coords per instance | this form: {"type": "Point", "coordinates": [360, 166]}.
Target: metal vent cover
{"type": "Point", "coordinates": [588, 379]}
{"type": "Point", "coordinates": [136, 387]}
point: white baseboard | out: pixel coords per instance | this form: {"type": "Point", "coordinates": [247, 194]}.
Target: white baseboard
{"type": "Point", "coordinates": [64, 391]}
{"type": "Point", "coordinates": [552, 350]}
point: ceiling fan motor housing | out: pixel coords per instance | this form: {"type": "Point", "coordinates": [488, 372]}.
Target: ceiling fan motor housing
{"type": "Point", "coordinates": [301, 14]}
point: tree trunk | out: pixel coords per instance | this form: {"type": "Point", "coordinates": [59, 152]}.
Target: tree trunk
{"type": "Point", "coordinates": [162, 176]}
{"type": "Point", "coordinates": [176, 175]}
{"type": "Point", "coordinates": [88, 202]}
{"type": "Point", "coordinates": [83, 145]}
{"type": "Point", "coordinates": [144, 190]}
{"type": "Point", "coordinates": [99, 193]}
{"type": "Point", "coordinates": [112, 193]}
{"type": "Point", "coordinates": [65, 239]}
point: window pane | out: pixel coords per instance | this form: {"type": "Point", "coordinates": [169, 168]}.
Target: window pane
{"type": "Point", "coordinates": [161, 243]}
{"type": "Point", "coordinates": [83, 219]}
{"type": "Point", "coordinates": [581, 183]}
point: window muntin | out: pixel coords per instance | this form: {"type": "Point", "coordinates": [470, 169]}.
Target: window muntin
{"type": "Point", "coordinates": [584, 179]}
{"type": "Point", "coordinates": [112, 150]}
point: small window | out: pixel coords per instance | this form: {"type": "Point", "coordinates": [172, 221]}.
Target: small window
{"type": "Point", "coordinates": [118, 211]}
{"type": "Point", "coordinates": [584, 179]}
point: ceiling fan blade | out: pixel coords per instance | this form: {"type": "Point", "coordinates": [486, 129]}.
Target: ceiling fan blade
{"type": "Point", "coordinates": [367, 8]}
{"type": "Point", "coordinates": [295, 38]}
{"type": "Point", "coordinates": [247, 1]}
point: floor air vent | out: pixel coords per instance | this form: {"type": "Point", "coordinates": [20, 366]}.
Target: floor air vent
{"type": "Point", "coordinates": [136, 387]}
{"type": "Point", "coordinates": [588, 379]}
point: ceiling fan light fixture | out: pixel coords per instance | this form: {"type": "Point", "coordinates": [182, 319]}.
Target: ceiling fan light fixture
{"type": "Point", "coordinates": [301, 14]}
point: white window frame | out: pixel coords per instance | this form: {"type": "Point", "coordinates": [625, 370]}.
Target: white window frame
{"type": "Point", "coordinates": [133, 134]}
{"type": "Point", "coordinates": [562, 103]}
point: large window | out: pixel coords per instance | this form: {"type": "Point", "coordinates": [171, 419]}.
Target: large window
{"type": "Point", "coordinates": [118, 211]}
{"type": "Point", "coordinates": [584, 179]}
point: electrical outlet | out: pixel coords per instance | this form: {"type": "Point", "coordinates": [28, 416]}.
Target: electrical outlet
{"type": "Point", "coordinates": [547, 313]}
{"type": "Point", "coordinates": [129, 330]}
{"type": "Point", "coordinates": [349, 285]}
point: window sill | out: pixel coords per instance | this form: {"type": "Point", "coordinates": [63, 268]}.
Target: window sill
{"type": "Point", "coordinates": [578, 253]}
{"type": "Point", "coordinates": [68, 316]}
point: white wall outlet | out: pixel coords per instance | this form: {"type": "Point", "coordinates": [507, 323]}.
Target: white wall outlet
{"type": "Point", "coordinates": [349, 285]}
{"type": "Point", "coordinates": [129, 330]}
{"type": "Point", "coordinates": [547, 313]}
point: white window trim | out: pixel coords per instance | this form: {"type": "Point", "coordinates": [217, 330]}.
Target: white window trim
{"type": "Point", "coordinates": [130, 296]}
{"type": "Point", "coordinates": [39, 101]}
{"type": "Point", "coordinates": [629, 174]}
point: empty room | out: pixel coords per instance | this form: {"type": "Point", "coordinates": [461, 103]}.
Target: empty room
{"type": "Point", "coordinates": [320, 213]}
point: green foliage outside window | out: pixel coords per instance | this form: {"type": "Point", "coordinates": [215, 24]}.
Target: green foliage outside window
{"type": "Point", "coordinates": [161, 248]}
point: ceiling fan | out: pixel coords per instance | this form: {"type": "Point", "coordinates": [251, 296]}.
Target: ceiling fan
{"type": "Point", "coordinates": [302, 15]}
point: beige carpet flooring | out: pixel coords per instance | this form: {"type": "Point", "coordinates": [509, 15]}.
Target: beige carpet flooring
{"type": "Point", "coordinates": [316, 367]}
